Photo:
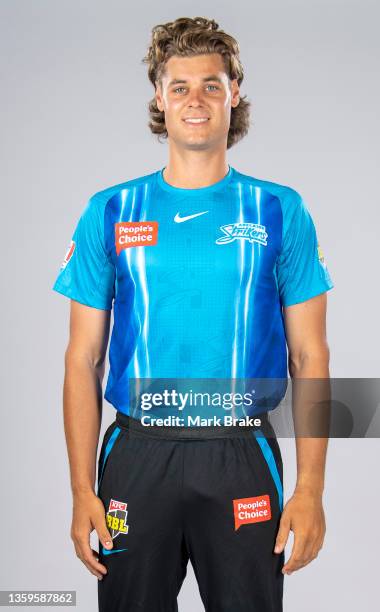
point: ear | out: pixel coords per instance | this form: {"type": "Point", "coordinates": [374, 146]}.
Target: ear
{"type": "Point", "coordinates": [235, 93]}
{"type": "Point", "coordinates": [159, 97]}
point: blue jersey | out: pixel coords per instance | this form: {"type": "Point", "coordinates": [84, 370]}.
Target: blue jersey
{"type": "Point", "coordinates": [197, 278]}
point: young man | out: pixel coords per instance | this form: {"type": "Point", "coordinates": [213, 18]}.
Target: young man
{"type": "Point", "coordinates": [210, 272]}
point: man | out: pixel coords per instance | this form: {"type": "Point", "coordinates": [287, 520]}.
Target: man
{"type": "Point", "coordinates": [210, 272]}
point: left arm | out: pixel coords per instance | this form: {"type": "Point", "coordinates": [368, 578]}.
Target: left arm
{"type": "Point", "coordinates": [305, 325]}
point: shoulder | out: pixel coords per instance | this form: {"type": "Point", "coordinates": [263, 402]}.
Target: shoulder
{"type": "Point", "coordinates": [98, 200]}
{"type": "Point", "coordinates": [290, 199]}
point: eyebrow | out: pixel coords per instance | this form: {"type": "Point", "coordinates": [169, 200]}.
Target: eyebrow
{"type": "Point", "coordinates": [211, 77]}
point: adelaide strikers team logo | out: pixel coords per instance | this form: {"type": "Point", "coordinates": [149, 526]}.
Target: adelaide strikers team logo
{"type": "Point", "coordinates": [117, 518]}
{"type": "Point", "coordinates": [253, 232]}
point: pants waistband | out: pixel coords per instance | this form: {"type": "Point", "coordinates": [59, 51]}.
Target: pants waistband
{"type": "Point", "coordinates": [202, 432]}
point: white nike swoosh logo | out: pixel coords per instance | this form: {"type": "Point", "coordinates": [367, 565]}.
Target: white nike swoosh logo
{"type": "Point", "coordinates": [179, 219]}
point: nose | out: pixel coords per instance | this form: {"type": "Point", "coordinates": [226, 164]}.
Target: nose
{"type": "Point", "coordinates": [195, 98]}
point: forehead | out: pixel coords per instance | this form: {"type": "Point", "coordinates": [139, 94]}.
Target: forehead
{"type": "Point", "coordinates": [194, 67]}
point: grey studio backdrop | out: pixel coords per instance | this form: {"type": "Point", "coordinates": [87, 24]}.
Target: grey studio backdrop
{"type": "Point", "coordinates": [74, 110]}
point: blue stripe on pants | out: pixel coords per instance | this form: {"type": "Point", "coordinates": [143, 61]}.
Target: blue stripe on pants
{"type": "Point", "coordinates": [107, 451]}
{"type": "Point", "coordinates": [269, 458]}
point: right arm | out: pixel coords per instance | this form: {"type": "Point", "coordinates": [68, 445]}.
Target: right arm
{"type": "Point", "coordinates": [82, 408]}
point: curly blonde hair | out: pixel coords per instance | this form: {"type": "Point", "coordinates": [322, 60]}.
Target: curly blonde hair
{"type": "Point", "coordinates": [186, 37]}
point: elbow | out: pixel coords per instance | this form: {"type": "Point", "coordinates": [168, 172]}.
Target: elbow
{"type": "Point", "coordinates": [312, 362]}
{"type": "Point", "coordinates": [76, 357]}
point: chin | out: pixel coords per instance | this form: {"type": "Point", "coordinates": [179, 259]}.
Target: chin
{"type": "Point", "coordinates": [198, 146]}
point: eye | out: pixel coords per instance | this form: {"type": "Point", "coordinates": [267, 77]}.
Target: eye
{"type": "Point", "coordinates": [177, 88]}
{"type": "Point", "coordinates": [214, 86]}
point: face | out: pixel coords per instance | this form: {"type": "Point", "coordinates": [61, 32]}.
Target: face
{"type": "Point", "coordinates": [197, 88]}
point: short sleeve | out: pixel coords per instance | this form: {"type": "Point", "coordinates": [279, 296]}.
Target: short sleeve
{"type": "Point", "coordinates": [87, 275]}
{"type": "Point", "coordinates": [301, 268]}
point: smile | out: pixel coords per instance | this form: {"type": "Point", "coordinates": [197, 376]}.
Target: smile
{"type": "Point", "coordinates": [197, 120]}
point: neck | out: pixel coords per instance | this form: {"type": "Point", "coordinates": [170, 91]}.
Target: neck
{"type": "Point", "coordinates": [194, 169]}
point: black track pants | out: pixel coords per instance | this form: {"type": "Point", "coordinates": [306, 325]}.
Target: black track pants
{"type": "Point", "coordinates": [215, 498]}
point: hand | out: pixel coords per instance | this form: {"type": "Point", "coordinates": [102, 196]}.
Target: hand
{"type": "Point", "coordinates": [88, 514]}
{"type": "Point", "coordinates": [304, 515]}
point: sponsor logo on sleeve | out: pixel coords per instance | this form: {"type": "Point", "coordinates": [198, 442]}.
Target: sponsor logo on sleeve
{"type": "Point", "coordinates": [251, 510]}
{"type": "Point", "coordinates": [253, 232]}
{"type": "Point", "coordinates": [68, 255]}
{"type": "Point", "coordinates": [135, 233]}
{"type": "Point", "coordinates": [321, 256]}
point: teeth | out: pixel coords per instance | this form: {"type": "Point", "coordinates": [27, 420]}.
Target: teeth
{"type": "Point", "coordinates": [200, 120]}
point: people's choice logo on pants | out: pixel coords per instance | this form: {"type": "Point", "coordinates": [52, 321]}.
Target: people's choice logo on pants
{"type": "Point", "coordinates": [251, 510]}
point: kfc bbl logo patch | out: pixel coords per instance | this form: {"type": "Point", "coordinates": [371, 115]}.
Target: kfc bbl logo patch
{"type": "Point", "coordinates": [117, 518]}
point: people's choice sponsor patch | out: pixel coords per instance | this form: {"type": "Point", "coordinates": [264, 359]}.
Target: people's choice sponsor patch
{"type": "Point", "coordinates": [68, 255]}
{"type": "Point", "coordinates": [135, 233]}
{"type": "Point", "coordinates": [251, 510]}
